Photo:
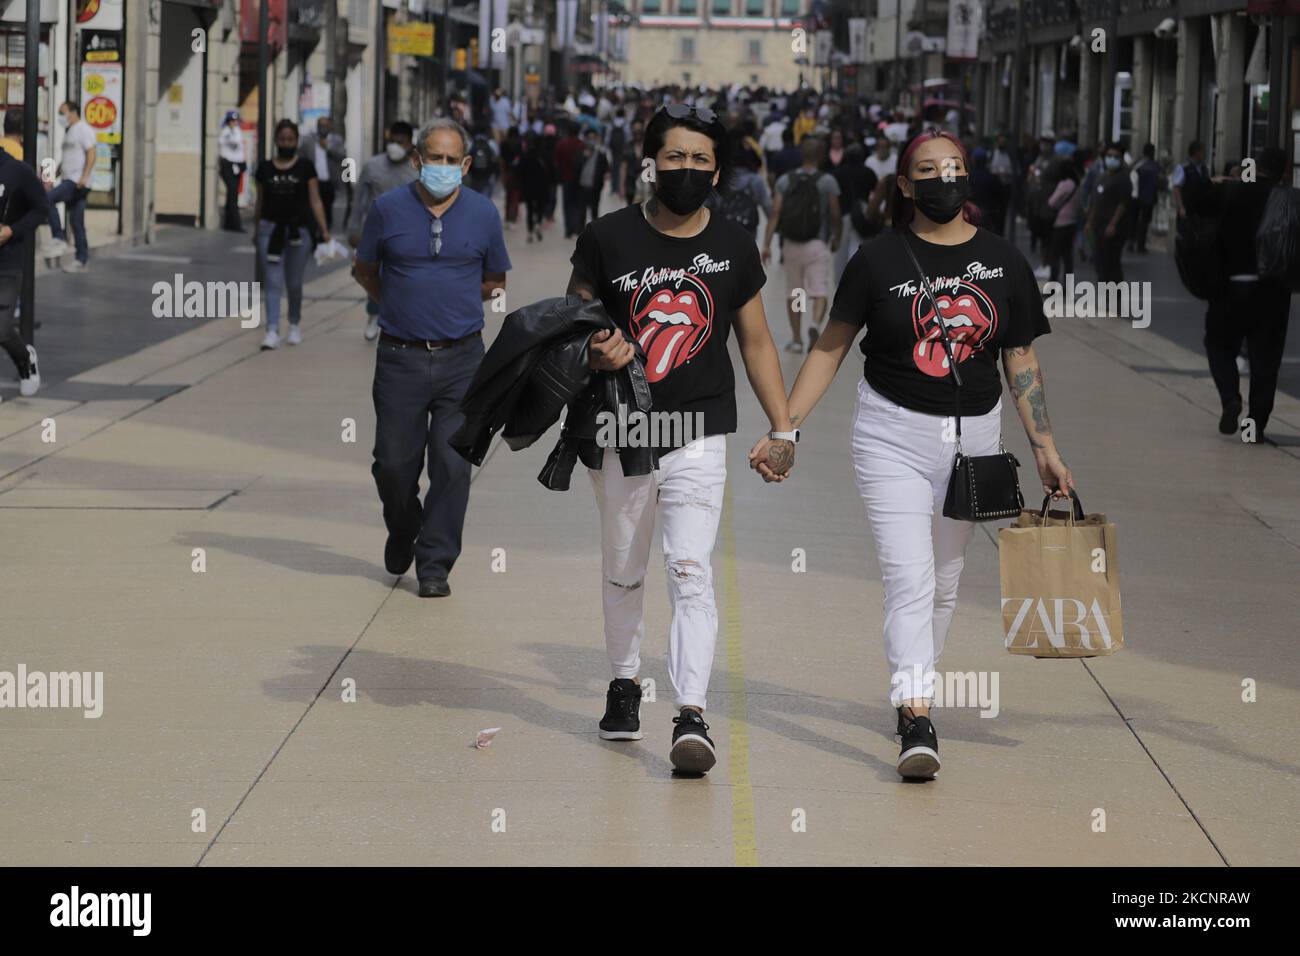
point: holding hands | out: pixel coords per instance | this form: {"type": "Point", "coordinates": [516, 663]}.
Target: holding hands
{"type": "Point", "coordinates": [772, 458]}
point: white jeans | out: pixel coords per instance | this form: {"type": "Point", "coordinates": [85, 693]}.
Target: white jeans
{"type": "Point", "coordinates": [686, 493]}
{"type": "Point", "coordinates": [903, 460]}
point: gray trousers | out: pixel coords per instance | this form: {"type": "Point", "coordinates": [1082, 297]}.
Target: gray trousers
{"type": "Point", "coordinates": [417, 395]}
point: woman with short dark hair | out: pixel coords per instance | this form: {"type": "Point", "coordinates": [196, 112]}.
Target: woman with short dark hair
{"type": "Point", "coordinates": [675, 278]}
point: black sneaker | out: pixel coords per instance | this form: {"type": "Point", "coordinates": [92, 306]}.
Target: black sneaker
{"type": "Point", "coordinates": [399, 552]}
{"type": "Point", "coordinates": [918, 758]}
{"type": "Point", "coordinates": [435, 588]}
{"type": "Point", "coordinates": [622, 720]}
{"type": "Point", "coordinates": [692, 749]}
{"type": "Point", "coordinates": [1228, 420]}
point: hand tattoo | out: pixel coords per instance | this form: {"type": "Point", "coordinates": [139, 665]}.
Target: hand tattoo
{"type": "Point", "coordinates": [780, 455]}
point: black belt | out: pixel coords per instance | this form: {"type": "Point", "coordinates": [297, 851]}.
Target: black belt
{"type": "Point", "coordinates": [429, 344]}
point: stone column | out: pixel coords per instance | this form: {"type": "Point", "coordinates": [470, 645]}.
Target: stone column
{"type": "Point", "coordinates": [1143, 74]}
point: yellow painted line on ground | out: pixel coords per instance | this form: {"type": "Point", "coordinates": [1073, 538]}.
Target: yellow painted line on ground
{"type": "Point", "coordinates": [742, 794]}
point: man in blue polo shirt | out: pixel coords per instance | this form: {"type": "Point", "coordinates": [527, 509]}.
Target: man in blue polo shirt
{"type": "Point", "coordinates": [431, 253]}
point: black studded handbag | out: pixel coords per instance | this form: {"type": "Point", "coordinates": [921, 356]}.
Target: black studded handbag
{"type": "Point", "coordinates": [982, 487]}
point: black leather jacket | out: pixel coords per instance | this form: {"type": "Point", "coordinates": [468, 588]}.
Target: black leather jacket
{"type": "Point", "coordinates": [535, 367]}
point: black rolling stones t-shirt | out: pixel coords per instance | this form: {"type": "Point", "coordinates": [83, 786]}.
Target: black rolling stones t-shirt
{"type": "Point", "coordinates": [677, 298]}
{"type": "Point", "coordinates": [987, 294]}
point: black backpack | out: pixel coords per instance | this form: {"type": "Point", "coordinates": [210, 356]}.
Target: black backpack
{"type": "Point", "coordinates": [740, 208]}
{"type": "Point", "coordinates": [801, 208]}
{"type": "Point", "coordinates": [481, 150]}
{"type": "Point", "coordinates": [1198, 257]}
{"type": "Point", "coordinates": [1277, 243]}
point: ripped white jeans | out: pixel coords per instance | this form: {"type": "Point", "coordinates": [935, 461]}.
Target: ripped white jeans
{"type": "Point", "coordinates": [685, 492]}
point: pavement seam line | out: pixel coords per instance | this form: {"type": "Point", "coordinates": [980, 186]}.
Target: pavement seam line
{"type": "Point", "coordinates": [1156, 763]}
{"type": "Point", "coordinates": [128, 415]}
{"type": "Point", "coordinates": [1150, 378]}
{"type": "Point", "coordinates": [743, 839]}
{"type": "Point", "coordinates": [1261, 520]}
{"type": "Point", "coordinates": [296, 724]}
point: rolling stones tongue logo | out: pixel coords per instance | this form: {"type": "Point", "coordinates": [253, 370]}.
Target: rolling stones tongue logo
{"type": "Point", "coordinates": [970, 319]}
{"type": "Point", "coordinates": [671, 324]}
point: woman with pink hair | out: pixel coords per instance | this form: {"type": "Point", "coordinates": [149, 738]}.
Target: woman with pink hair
{"type": "Point", "coordinates": [904, 435]}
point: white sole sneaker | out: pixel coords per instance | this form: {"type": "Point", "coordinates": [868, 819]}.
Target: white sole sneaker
{"type": "Point", "coordinates": [27, 387]}
{"type": "Point", "coordinates": [692, 754]}
{"type": "Point", "coordinates": [919, 763]}
{"type": "Point", "coordinates": [621, 735]}
{"type": "Point", "coordinates": [272, 341]}
{"type": "Point", "coordinates": [295, 336]}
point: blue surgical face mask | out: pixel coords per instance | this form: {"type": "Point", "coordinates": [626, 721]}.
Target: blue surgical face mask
{"type": "Point", "coordinates": [1113, 162]}
{"type": "Point", "coordinates": [442, 181]}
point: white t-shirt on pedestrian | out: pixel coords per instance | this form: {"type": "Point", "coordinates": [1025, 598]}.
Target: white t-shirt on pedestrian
{"type": "Point", "coordinates": [883, 167]}
{"type": "Point", "coordinates": [79, 138]}
{"type": "Point", "coordinates": [322, 163]}
{"type": "Point", "coordinates": [501, 113]}
{"type": "Point", "coordinates": [771, 140]}
{"type": "Point", "coordinates": [230, 144]}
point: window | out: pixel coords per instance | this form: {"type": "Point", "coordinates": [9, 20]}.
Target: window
{"type": "Point", "coordinates": [649, 6]}
{"type": "Point", "coordinates": [722, 8]}
{"type": "Point", "coordinates": [754, 8]}
{"type": "Point", "coordinates": [789, 8]}
{"type": "Point", "coordinates": [755, 51]}
{"type": "Point", "coordinates": [688, 7]}
{"type": "Point", "coordinates": [687, 50]}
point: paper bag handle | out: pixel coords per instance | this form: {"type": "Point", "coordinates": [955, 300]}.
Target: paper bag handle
{"type": "Point", "coordinates": [1076, 514]}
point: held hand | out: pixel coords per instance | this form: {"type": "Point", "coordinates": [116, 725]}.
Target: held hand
{"type": "Point", "coordinates": [5, 234]}
{"type": "Point", "coordinates": [1055, 473]}
{"type": "Point", "coordinates": [609, 351]}
{"type": "Point", "coordinates": [772, 458]}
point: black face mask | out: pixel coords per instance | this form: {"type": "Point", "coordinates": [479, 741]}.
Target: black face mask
{"type": "Point", "coordinates": [683, 191]}
{"type": "Point", "coordinates": [940, 200]}
{"type": "Point", "coordinates": [286, 152]}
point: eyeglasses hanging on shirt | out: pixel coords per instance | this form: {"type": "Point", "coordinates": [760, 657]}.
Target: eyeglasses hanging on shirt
{"type": "Point", "coordinates": [435, 237]}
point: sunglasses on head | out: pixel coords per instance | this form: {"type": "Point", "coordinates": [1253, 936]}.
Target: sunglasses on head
{"type": "Point", "coordinates": [681, 111]}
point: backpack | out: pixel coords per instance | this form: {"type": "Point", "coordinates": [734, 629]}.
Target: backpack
{"type": "Point", "coordinates": [801, 208]}
{"type": "Point", "coordinates": [481, 150]}
{"type": "Point", "coordinates": [1277, 242]}
{"type": "Point", "coordinates": [1198, 257]}
{"type": "Point", "coordinates": [739, 207]}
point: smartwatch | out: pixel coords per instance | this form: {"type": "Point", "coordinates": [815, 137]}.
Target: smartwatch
{"type": "Point", "coordinates": [785, 436]}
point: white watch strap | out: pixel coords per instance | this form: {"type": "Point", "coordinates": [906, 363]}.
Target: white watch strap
{"type": "Point", "coordinates": [784, 436]}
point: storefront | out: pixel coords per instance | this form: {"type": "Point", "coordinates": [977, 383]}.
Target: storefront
{"type": "Point", "coordinates": [13, 65]}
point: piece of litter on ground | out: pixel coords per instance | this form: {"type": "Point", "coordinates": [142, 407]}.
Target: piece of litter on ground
{"type": "Point", "coordinates": [484, 737]}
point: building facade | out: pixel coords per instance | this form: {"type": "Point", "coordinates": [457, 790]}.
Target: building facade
{"type": "Point", "coordinates": [155, 77]}
{"type": "Point", "coordinates": [715, 43]}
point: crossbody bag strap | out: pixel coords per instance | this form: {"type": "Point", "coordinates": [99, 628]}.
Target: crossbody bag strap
{"type": "Point", "coordinates": [943, 333]}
